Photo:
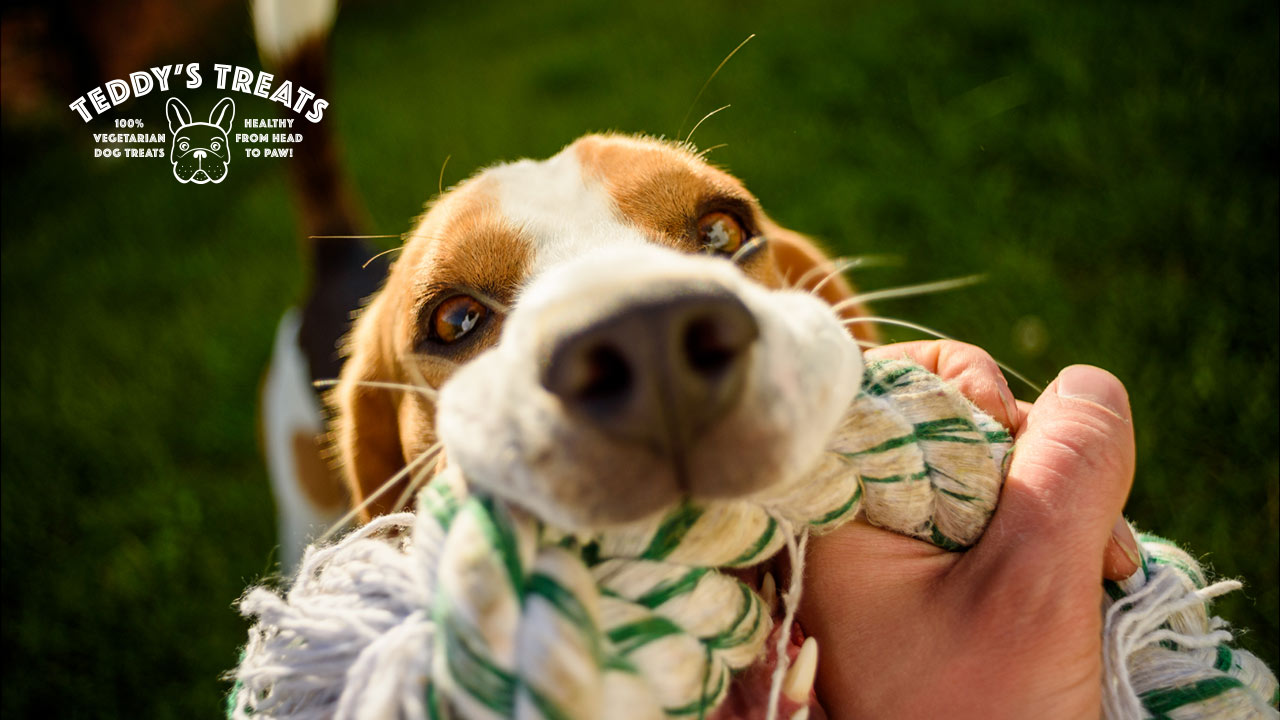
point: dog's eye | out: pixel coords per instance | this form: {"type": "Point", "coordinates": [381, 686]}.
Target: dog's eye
{"type": "Point", "coordinates": [457, 316]}
{"type": "Point", "coordinates": [721, 233]}
{"type": "Point", "coordinates": [215, 145]}
{"type": "Point", "coordinates": [183, 145]}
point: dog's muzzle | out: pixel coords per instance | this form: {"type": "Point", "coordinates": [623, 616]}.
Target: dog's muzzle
{"type": "Point", "coordinates": [630, 380]}
{"type": "Point", "coordinates": [659, 371]}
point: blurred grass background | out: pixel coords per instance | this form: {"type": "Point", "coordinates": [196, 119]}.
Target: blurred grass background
{"type": "Point", "coordinates": [1111, 168]}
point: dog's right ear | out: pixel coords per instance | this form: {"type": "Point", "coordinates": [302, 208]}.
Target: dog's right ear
{"type": "Point", "coordinates": [177, 113]}
{"type": "Point", "coordinates": [366, 426]}
{"type": "Point", "coordinates": [802, 265]}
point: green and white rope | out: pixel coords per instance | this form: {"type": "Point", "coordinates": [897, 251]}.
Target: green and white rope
{"type": "Point", "coordinates": [1165, 657]}
{"type": "Point", "coordinates": [486, 612]}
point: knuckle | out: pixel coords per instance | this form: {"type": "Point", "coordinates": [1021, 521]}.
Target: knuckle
{"type": "Point", "coordinates": [1078, 452]}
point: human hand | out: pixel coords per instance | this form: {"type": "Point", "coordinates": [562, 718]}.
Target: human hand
{"type": "Point", "coordinates": [1012, 627]}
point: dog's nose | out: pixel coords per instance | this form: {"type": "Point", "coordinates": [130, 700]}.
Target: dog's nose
{"type": "Point", "coordinates": [199, 154]}
{"type": "Point", "coordinates": [658, 372]}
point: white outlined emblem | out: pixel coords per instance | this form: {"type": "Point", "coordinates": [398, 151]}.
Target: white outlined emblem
{"type": "Point", "coordinates": [201, 151]}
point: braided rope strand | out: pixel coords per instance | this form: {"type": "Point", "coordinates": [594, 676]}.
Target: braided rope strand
{"type": "Point", "coordinates": [1164, 656]}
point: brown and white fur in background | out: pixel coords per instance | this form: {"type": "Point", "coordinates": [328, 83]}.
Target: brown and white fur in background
{"type": "Point", "coordinates": [310, 496]}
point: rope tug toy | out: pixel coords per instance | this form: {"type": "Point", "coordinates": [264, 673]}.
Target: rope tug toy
{"type": "Point", "coordinates": [470, 607]}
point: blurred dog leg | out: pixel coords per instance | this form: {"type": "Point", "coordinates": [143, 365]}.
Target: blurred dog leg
{"type": "Point", "coordinates": [309, 494]}
{"type": "Point", "coordinates": [292, 37]}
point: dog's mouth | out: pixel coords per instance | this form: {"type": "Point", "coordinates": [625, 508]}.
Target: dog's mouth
{"type": "Point", "coordinates": [751, 690]}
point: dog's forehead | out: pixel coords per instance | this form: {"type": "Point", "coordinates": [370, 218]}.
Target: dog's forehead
{"type": "Point", "coordinates": [560, 208]}
{"type": "Point", "coordinates": [603, 191]}
{"type": "Point", "coordinates": [506, 226]}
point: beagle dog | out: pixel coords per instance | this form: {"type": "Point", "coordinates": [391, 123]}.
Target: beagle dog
{"type": "Point", "coordinates": [596, 336]}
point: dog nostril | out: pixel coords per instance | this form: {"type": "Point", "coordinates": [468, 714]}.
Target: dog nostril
{"type": "Point", "coordinates": [591, 374]}
{"type": "Point", "coordinates": [605, 375]}
{"type": "Point", "coordinates": [706, 348]}
{"type": "Point", "coordinates": [712, 343]}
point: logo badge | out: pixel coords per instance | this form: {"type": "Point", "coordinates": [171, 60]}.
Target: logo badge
{"type": "Point", "coordinates": [201, 151]}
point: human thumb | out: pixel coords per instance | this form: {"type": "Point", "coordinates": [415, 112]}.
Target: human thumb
{"type": "Point", "coordinates": [1070, 473]}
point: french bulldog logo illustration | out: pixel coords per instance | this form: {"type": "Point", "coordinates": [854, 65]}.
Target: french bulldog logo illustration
{"type": "Point", "coordinates": [200, 150]}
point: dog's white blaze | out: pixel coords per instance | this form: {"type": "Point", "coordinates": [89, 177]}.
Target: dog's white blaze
{"type": "Point", "coordinates": [562, 212]}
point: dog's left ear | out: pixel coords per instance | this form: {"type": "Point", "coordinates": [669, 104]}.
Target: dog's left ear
{"type": "Point", "coordinates": [803, 266]}
{"type": "Point", "coordinates": [222, 114]}
{"type": "Point", "coordinates": [366, 428]}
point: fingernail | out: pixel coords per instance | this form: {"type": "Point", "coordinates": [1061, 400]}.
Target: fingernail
{"type": "Point", "coordinates": [1127, 542]}
{"type": "Point", "coordinates": [1085, 382]}
{"type": "Point", "coordinates": [1010, 406]}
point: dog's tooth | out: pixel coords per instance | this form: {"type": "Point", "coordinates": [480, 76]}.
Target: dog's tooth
{"type": "Point", "coordinates": [769, 592]}
{"type": "Point", "coordinates": [801, 714]}
{"type": "Point", "coordinates": [799, 679]}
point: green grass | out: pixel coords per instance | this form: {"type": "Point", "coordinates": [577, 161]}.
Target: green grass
{"type": "Point", "coordinates": [1110, 167]}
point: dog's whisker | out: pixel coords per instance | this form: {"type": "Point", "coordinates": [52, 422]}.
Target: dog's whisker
{"type": "Point", "coordinates": [1019, 376]}
{"type": "Point", "coordinates": [354, 512]}
{"type": "Point", "coordinates": [443, 165]}
{"type": "Point", "coordinates": [746, 249]}
{"type": "Point", "coordinates": [879, 260]}
{"type": "Point", "coordinates": [350, 237]}
{"type": "Point", "coordinates": [835, 267]}
{"type": "Point", "coordinates": [384, 252]}
{"type": "Point", "coordinates": [704, 119]}
{"type": "Point", "coordinates": [864, 319]}
{"type": "Point", "coordinates": [842, 265]}
{"type": "Point", "coordinates": [909, 291]}
{"type": "Point", "coordinates": [706, 84]}
{"type": "Point", "coordinates": [415, 482]}
{"type": "Point", "coordinates": [808, 275]}
{"type": "Point", "coordinates": [941, 336]}
{"type": "Point", "coordinates": [703, 155]}
{"type": "Point", "coordinates": [430, 392]}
